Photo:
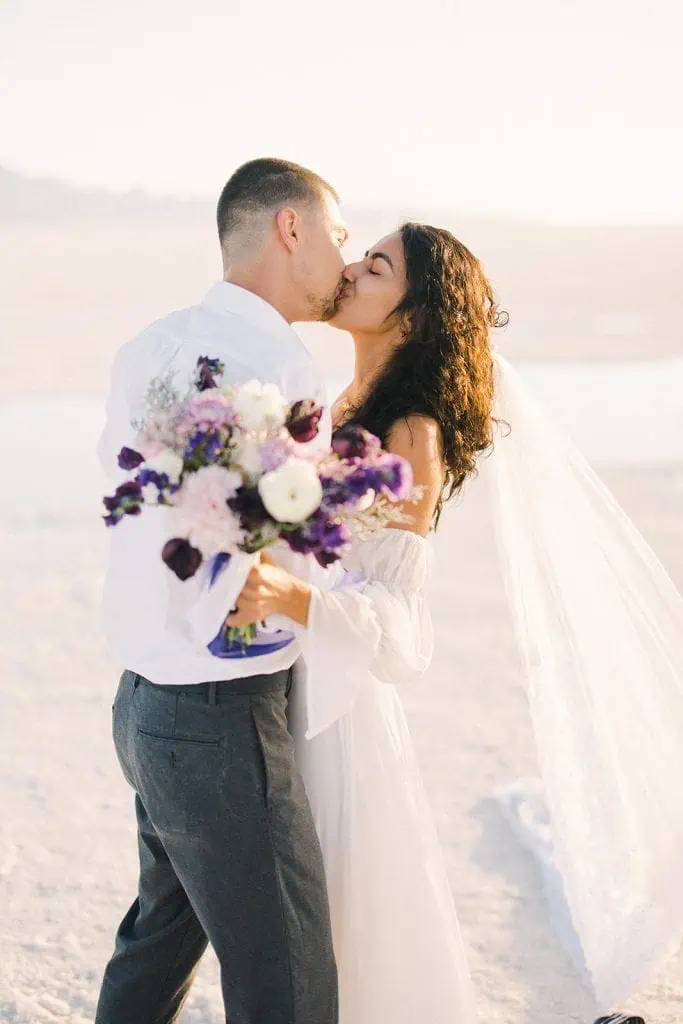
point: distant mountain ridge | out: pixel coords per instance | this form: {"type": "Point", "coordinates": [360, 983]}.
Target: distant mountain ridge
{"type": "Point", "coordinates": [26, 198]}
{"type": "Point", "coordinates": [589, 289]}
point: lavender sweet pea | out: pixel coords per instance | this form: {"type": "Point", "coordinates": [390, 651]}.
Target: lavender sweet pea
{"type": "Point", "coordinates": [337, 493]}
{"type": "Point", "coordinates": [328, 539]}
{"type": "Point", "coordinates": [394, 476]}
{"type": "Point", "coordinates": [274, 453]}
{"type": "Point", "coordinates": [354, 442]}
{"type": "Point", "coordinates": [363, 480]}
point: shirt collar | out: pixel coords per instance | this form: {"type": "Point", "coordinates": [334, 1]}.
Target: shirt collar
{"type": "Point", "coordinates": [225, 297]}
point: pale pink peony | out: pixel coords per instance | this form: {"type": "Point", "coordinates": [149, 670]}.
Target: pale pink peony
{"type": "Point", "coordinates": [203, 512]}
{"type": "Point", "coordinates": [210, 408]}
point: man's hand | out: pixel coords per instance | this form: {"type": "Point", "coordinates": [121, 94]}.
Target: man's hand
{"type": "Point", "coordinates": [269, 589]}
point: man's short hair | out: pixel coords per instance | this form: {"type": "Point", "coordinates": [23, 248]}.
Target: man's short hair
{"type": "Point", "coordinates": [265, 184]}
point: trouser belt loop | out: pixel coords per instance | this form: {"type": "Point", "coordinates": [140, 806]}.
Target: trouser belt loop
{"type": "Point", "coordinates": [213, 686]}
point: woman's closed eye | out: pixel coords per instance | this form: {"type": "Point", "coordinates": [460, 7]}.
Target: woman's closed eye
{"type": "Point", "coordinates": [377, 258]}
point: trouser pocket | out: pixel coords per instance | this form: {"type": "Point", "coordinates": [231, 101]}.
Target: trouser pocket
{"type": "Point", "coordinates": [120, 721]}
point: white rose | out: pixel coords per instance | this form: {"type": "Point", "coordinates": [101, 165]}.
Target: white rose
{"type": "Point", "coordinates": [260, 406]}
{"type": "Point", "coordinates": [168, 462]}
{"type": "Point", "coordinates": [150, 494]}
{"type": "Point", "coordinates": [292, 491]}
{"type": "Point", "coordinates": [248, 456]}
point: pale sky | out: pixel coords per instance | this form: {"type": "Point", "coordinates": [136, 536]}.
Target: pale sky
{"type": "Point", "coordinates": [557, 110]}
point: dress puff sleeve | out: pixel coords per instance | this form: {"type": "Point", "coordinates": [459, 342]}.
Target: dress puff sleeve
{"type": "Point", "coordinates": [375, 622]}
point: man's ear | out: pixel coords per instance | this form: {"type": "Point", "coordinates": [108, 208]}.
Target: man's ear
{"type": "Point", "coordinates": [288, 224]}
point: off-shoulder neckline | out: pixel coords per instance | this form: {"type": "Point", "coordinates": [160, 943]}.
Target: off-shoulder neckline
{"type": "Point", "coordinates": [397, 529]}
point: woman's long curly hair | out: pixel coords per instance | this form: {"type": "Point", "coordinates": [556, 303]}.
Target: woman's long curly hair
{"type": "Point", "coordinates": [444, 367]}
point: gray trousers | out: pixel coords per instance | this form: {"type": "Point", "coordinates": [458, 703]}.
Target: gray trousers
{"type": "Point", "coordinates": [228, 855]}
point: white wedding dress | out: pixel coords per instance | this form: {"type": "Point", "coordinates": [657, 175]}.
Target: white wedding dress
{"type": "Point", "coordinates": [600, 629]}
{"type": "Point", "coordinates": [396, 937]}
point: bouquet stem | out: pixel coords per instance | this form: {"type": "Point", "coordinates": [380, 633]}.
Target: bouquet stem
{"type": "Point", "coordinates": [243, 635]}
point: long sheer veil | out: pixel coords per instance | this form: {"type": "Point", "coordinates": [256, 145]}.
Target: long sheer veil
{"type": "Point", "coordinates": [600, 627]}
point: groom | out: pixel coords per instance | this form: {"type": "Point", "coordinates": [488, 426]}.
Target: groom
{"type": "Point", "coordinates": [227, 844]}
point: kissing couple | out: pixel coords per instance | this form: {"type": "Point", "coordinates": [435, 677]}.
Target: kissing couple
{"type": "Point", "coordinates": [281, 815]}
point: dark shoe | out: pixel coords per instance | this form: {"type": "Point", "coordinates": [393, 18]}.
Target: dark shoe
{"type": "Point", "coordinates": [620, 1018]}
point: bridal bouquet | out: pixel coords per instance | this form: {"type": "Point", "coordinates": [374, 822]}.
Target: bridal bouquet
{"type": "Point", "coordinates": [233, 466]}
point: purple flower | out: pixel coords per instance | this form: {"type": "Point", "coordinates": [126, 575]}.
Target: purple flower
{"type": "Point", "coordinates": [320, 536]}
{"type": "Point", "coordinates": [204, 446]}
{"type": "Point", "coordinates": [354, 442]}
{"type": "Point", "coordinates": [129, 489]}
{"type": "Point", "coordinates": [362, 480]}
{"type": "Point", "coordinates": [336, 492]}
{"type": "Point", "coordinates": [150, 476]}
{"type": "Point", "coordinates": [181, 557]}
{"type": "Point", "coordinates": [153, 478]}
{"type": "Point", "coordinates": [126, 501]}
{"type": "Point", "coordinates": [302, 422]}
{"type": "Point", "coordinates": [214, 446]}
{"type": "Point", "coordinates": [207, 370]}
{"type": "Point", "coordinates": [395, 476]}
{"type": "Point", "coordinates": [194, 442]}
{"type": "Point", "coordinates": [129, 458]}
{"type": "Point", "coordinates": [247, 505]}
{"type": "Point", "coordinates": [302, 541]}
{"type": "Point", "coordinates": [334, 536]}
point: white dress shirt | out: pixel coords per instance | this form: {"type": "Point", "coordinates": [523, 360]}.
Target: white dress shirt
{"type": "Point", "coordinates": [152, 620]}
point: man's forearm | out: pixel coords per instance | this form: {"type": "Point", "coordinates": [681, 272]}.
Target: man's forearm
{"type": "Point", "coordinates": [298, 602]}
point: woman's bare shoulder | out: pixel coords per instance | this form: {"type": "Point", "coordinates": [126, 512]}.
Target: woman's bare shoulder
{"type": "Point", "coordinates": [416, 435]}
{"type": "Point", "coordinates": [417, 438]}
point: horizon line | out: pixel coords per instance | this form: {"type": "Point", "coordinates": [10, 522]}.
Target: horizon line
{"type": "Point", "coordinates": [201, 200]}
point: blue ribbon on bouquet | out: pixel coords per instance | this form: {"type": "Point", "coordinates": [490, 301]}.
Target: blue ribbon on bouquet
{"type": "Point", "coordinates": [266, 640]}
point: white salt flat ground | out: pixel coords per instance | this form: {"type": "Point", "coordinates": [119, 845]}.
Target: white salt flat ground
{"type": "Point", "coordinates": [67, 858]}
{"type": "Point", "coordinates": [628, 414]}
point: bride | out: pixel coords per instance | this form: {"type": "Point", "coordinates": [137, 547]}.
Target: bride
{"type": "Point", "coordinates": [600, 628]}
{"type": "Point", "coordinates": [420, 310]}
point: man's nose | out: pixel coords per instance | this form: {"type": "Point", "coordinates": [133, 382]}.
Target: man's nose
{"type": "Point", "coordinates": [351, 272]}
